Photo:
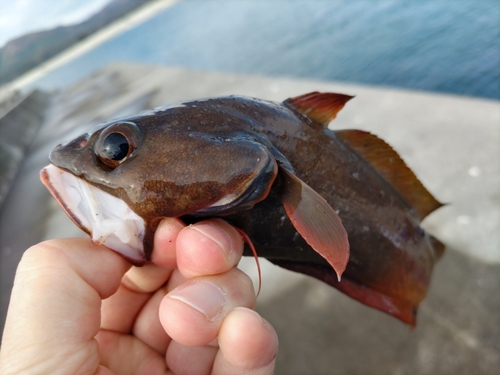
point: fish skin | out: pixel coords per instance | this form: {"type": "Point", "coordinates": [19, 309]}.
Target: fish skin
{"type": "Point", "coordinates": [391, 258]}
{"type": "Point", "coordinates": [390, 253]}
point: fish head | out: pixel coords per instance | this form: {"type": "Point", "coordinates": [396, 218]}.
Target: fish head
{"type": "Point", "coordinates": [118, 181]}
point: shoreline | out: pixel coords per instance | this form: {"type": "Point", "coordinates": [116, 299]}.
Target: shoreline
{"type": "Point", "coordinates": [117, 27]}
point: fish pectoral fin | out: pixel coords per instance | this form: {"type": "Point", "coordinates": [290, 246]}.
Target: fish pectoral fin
{"type": "Point", "coordinates": [392, 168]}
{"type": "Point", "coordinates": [321, 107]}
{"type": "Point", "coordinates": [315, 220]}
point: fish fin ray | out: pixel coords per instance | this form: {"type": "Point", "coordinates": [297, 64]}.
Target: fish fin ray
{"type": "Point", "coordinates": [316, 221]}
{"type": "Point", "coordinates": [321, 107]}
{"type": "Point", "coordinates": [249, 242]}
{"type": "Point", "coordinates": [392, 168]}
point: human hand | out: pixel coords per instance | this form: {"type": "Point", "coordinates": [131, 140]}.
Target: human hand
{"type": "Point", "coordinates": [77, 308]}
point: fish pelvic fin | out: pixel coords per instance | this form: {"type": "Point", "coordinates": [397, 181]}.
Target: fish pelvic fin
{"type": "Point", "coordinates": [392, 168]}
{"type": "Point", "coordinates": [321, 107]}
{"type": "Point", "coordinates": [315, 220]}
{"type": "Point", "coordinates": [249, 242]}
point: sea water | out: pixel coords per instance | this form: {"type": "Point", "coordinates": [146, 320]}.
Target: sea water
{"type": "Point", "coordinates": [434, 45]}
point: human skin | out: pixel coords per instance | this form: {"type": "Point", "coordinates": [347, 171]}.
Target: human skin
{"type": "Point", "coordinates": [77, 308]}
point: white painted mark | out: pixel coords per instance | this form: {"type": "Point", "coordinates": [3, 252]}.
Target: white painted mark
{"type": "Point", "coordinates": [474, 171]}
{"type": "Point", "coordinates": [464, 220]}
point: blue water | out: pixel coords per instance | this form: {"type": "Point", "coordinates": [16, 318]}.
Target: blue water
{"type": "Point", "coordinates": [443, 46]}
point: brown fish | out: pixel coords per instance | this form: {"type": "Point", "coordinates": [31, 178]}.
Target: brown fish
{"type": "Point", "coordinates": [273, 170]}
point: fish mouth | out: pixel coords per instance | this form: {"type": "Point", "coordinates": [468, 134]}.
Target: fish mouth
{"type": "Point", "coordinates": [108, 220]}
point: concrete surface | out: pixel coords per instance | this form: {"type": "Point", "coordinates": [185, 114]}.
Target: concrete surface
{"type": "Point", "coordinates": [19, 122]}
{"type": "Point", "coordinates": [453, 145]}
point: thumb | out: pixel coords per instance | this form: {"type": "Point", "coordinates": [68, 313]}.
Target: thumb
{"type": "Point", "coordinates": [54, 312]}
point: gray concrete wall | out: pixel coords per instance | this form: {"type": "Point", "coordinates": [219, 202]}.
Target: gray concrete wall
{"type": "Point", "coordinates": [20, 119]}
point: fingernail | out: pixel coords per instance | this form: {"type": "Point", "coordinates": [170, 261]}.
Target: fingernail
{"type": "Point", "coordinates": [172, 221]}
{"type": "Point", "coordinates": [203, 296]}
{"type": "Point", "coordinates": [217, 235]}
{"type": "Point", "coordinates": [264, 322]}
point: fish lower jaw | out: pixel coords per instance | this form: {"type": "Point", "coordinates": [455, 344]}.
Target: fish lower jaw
{"type": "Point", "coordinates": [108, 220]}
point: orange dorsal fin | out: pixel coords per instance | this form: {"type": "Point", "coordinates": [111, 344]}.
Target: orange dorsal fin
{"type": "Point", "coordinates": [392, 168]}
{"type": "Point", "coordinates": [321, 107]}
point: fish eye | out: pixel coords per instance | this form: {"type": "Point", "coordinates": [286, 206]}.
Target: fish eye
{"type": "Point", "coordinates": [116, 143]}
{"type": "Point", "coordinates": [115, 147]}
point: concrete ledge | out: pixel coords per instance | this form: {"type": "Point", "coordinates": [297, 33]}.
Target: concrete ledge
{"type": "Point", "coordinates": [18, 126]}
{"type": "Point", "coordinates": [452, 143]}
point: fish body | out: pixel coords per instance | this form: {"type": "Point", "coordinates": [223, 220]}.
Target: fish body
{"type": "Point", "coordinates": [274, 170]}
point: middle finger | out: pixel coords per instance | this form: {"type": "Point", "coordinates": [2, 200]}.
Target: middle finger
{"type": "Point", "coordinates": [192, 313]}
{"type": "Point", "coordinates": [121, 309]}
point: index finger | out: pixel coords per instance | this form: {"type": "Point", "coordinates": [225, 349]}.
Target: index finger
{"type": "Point", "coordinates": [209, 247]}
{"type": "Point", "coordinates": [153, 275]}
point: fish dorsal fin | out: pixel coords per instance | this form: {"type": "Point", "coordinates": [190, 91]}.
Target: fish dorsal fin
{"type": "Point", "coordinates": [321, 107]}
{"type": "Point", "coordinates": [317, 222]}
{"type": "Point", "coordinates": [392, 168]}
